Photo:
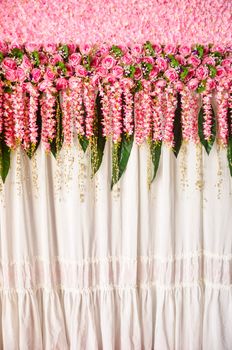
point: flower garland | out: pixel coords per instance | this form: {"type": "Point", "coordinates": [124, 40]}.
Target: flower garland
{"type": "Point", "coordinates": [161, 94]}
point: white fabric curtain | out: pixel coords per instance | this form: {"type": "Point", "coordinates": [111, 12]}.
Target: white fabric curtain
{"type": "Point", "coordinates": [135, 268]}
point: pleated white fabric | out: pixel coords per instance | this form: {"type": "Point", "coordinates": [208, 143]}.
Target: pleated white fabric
{"type": "Point", "coordinates": [136, 268]}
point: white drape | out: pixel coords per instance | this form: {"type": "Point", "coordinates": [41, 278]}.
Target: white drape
{"type": "Point", "coordinates": [84, 267]}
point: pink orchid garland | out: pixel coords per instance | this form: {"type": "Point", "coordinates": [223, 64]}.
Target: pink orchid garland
{"type": "Point", "coordinates": [105, 92]}
{"type": "Point", "coordinates": [171, 101]}
{"type": "Point", "coordinates": [207, 108]}
{"type": "Point", "coordinates": [128, 122]}
{"type": "Point", "coordinates": [1, 109]}
{"type": "Point", "coordinates": [222, 103]}
{"type": "Point", "coordinates": [89, 102]}
{"type": "Point", "coordinates": [67, 120]}
{"type": "Point", "coordinates": [158, 109]}
{"type": "Point", "coordinates": [9, 133]}
{"type": "Point", "coordinates": [116, 108]}
{"type": "Point", "coordinates": [48, 117]}
{"type": "Point", "coordinates": [18, 112]}
{"type": "Point", "coordinates": [33, 108]}
{"type": "Point", "coordinates": [76, 92]}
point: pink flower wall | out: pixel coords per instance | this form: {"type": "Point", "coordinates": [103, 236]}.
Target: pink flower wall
{"type": "Point", "coordinates": [116, 21]}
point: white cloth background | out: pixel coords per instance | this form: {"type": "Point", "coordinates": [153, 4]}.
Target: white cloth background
{"type": "Point", "coordinates": [83, 267]}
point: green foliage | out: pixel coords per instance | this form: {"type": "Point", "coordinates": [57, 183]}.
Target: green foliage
{"type": "Point", "coordinates": [4, 159]}
{"type": "Point", "coordinates": [155, 149]}
{"type": "Point", "coordinates": [206, 143]}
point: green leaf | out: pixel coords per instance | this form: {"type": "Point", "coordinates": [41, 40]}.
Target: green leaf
{"type": "Point", "coordinates": [4, 159]}
{"type": "Point", "coordinates": [201, 87]}
{"type": "Point", "coordinates": [62, 66]}
{"type": "Point", "coordinates": [116, 51]}
{"type": "Point", "coordinates": [212, 71]}
{"type": "Point", "coordinates": [64, 51]}
{"type": "Point", "coordinates": [121, 154]}
{"type": "Point", "coordinates": [184, 73]}
{"type": "Point", "coordinates": [56, 143]}
{"type": "Point", "coordinates": [1, 57]}
{"type": "Point", "coordinates": [132, 71]}
{"type": "Point", "coordinates": [206, 143]}
{"type": "Point", "coordinates": [35, 57]}
{"type": "Point", "coordinates": [200, 50]}
{"type": "Point", "coordinates": [84, 142]}
{"type": "Point", "coordinates": [17, 53]}
{"type": "Point", "coordinates": [177, 127]}
{"type": "Point", "coordinates": [155, 149]}
{"type": "Point", "coordinates": [96, 157]}
{"type": "Point", "coordinates": [229, 154]}
{"type": "Point", "coordinates": [174, 63]}
{"type": "Point", "coordinates": [149, 48]}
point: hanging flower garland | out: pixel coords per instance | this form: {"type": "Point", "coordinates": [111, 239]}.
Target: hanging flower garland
{"type": "Point", "coordinates": [160, 94]}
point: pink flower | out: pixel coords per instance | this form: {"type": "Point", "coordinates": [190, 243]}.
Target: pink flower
{"type": "Point", "coordinates": [3, 47]}
{"type": "Point", "coordinates": [51, 48]}
{"type": "Point", "coordinates": [30, 47]}
{"type": "Point", "coordinates": [161, 83]}
{"type": "Point", "coordinates": [8, 63]}
{"type": "Point", "coordinates": [75, 59]}
{"type": "Point", "coordinates": [171, 74]}
{"type": "Point", "coordinates": [185, 50]}
{"type": "Point", "coordinates": [85, 49]}
{"type": "Point", "coordinates": [161, 63]}
{"type": "Point", "coordinates": [102, 72]}
{"type": "Point", "coordinates": [36, 74]}
{"type": "Point", "coordinates": [202, 72]}
{"type": "Point", "coordinates": [61, 83]}
{"type": "Point", "coordinates": [26, 63]}
{"type": "Point", "coordinates": [95, 62]}
{"type": "Point", "coordinates": [138, 73]}
{"type": "Point", "coordinates": [157, 49]}
{"type": "Point", "coordinates": [44, 85]}
{"type": "Point", "coordinates": [111, 79]}
{"type": "Point", "coordinates": [43, 58]}
{"type": "Point", "coordinates": [211, 84]}
{"type": "Point", "coordinates": [69, 70]}
{"type": "Point", "coordinates": [179, 85]}
{"type": "Point", "coordinates": [148, 59]}
{"type": "Point", "coordinates": [20, 74]}
{"type": "Point", "coordinates": [74, 82]}
{"type": "Point", "coordinates": [209, 60]}
{"type": "Point", "coordinates": [127, 59]}
{"type": "Point", "coordinates": [154, 72]}
{"type": "Point", "coordinates": [49, 74]}
{"type": "Point", "coordinates": [136, 50]}
{"type": "Point", "coordinates": [80, 71]}
{"type": "Point", "coordinates": [193, 84]}
{"type": "Point", "coordinates": [217, 48]}
{"type": "Point", "coordinates": [180, 59]}
{"type": "Point", "coordinates": [108, 62]}
{"type": "Point", "coordinates": [55, 59]}
{"type": "Point", "coordinates": [117, 71]}
{"type": "Point", "coordinates": [72, 48]}
{"type": "Point", "coordinates": [194, 61]}
{"type": "Point", "coordinates": [170, 49]}
{"type": "Point", "coordinates": [11, 75]}
{"type": "Point", "coordinates": [226, 62]}
{"type": "Point", "coordinates": [221, 72]}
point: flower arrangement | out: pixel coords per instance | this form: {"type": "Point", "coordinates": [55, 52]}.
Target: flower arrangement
{"type": "Point", "coordinates": [160, 94]}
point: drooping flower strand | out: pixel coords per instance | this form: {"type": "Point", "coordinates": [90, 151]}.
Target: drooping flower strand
{"type": "Point", "coordinates": [128, 121]}
{"type": "Point", "coordinates": [105, 92]}
{"type": "Point", "coordinates": [193, 115]}
{"type": "Point", "coordinates": [185, 115]}
{"type": "Point", "coordinates": [207, 108]}
{"type": "Point", "coordinates": [77, 110]}
{"type": "Point", "coordinates": [171, 101]}
{"type": "Point", "coordinates": [33, 108]}
{"type": "Point", "coordinates": [222, 110]}
{"type": "Point", "coordinates": [1, 108]}
{"type": "Point", "coordinates": [157, 113]}
{"type": "Point", "coordinates": [146, 108]}
{"type": "Point", "coordinates": [89, 102]}
{"type": "Point", "coordinates": [8, 116]}
{"type": "Point", "coordinates": [48, 117]}
{"type": "Point", "coordinates": [116, 108]}
{"type": "Point", "coordinates": [230, 106]}
{"type": "Point", "coordinates": [138, 112]}
{"type": "Point", "coordinates": [18, 112]}
{"type": "Point", "coordinates": [67, 120]}
{"type": "Point", "coordinates": [26, 138]}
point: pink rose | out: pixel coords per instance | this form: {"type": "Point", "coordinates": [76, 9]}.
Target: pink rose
{"type": "Point", "coordinates": [20, 74]}
{"type": "Point", "coordinates": [180, 59]}
{"type": "Point", "coordinates": [229, 72]}
{"type": "Point", "coordinates": [85, 49]}
{"type": "Point", "coordinates": [51, 48]}
{"type": "Point", "coordinates": [127, 82]}
{"type": "Point", "coordinates": [211, 84]}
{"type": "Point", "coordinates": [202, 72]}
{"type": "Point", "coordinates": [179, 85]}
{"type": "Point", "coordinates": [95, 80]}
{"type": "Point", "coordinates": [136, 50]}
{"type": "Point", "coordinates": [185, 50]}
{"type": "Point", "coordinates": [148, 59]}
{"type": "Point", "coordinates": [170, 49]}
{"type": "Point", "coordinates": [117, 71]}
{"type": "Point", "coordinates": [69, 70]}
{"type": "Point", "coordinates": [43, 58]}
{"type": "Point", "coordinates": [55, 59]}
{"type": "Point", "coordinates": [36, 74]}
{"type": "Point", "coordinates": [3, 47]}
{"type": "Point", "coordinates": [26, 63]}
{"type": "Point", "coordinates": [108, 62]}
{"type": "Point", "coordinates": [127, 59]}
{"type": "Point", "coordinates": [61, 84]}
{"type": "Point", "coordinates": [111, 79]}
{"type": "Point", "coordinates": [217, 48]}
{"type": "Point", "coordinates": [138, 73]}
{"type": "Point", "coordinates": [161, 63]}
{"type": "Point", "coordinates": [8, 63]}
{"type": "Point", "coordinates": [11, 75]}
{"type": "Point", "coordinates": [209, 60]}
{"type": "Point", "coordinates": [171, 74]}
{"type": "Point", "coordinates": [95, 62]}
{"type": "Point", "coordinates": [44, 85]}
{"type": "Point", "coordinates": [221, 72]}
{"type": "Point", "coordinates": [104, 50]}
{"type": "Point", "coordinates": [193, 84]}
{"type": "Point", "coordinates": [161, 83]}
{"type": "Point", "coordinates": [75, 59]}
{"type": "Point", "coordinates": [30, 47]}
{"type": "Point", "coordinates": [194, 61]}
{"type": "Point", "coordinates": [80, 71]}
{"type": "Point", "coordinates": [226, 62]}
{"type": "Point", "coordinates": [102, 72]}
{"type": "Point", "coordinates": [74, 82]}
{"type": "Point", "coordinates": [157, 49]}
{"type": "Point", "coordinates": [72, 48]}
{"type": "Point", "coordinates": [154, 72]}
{"type": "Point", "coordinates": [49, 74]}
{"type": "Point", "coordinates": [191, 74]}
